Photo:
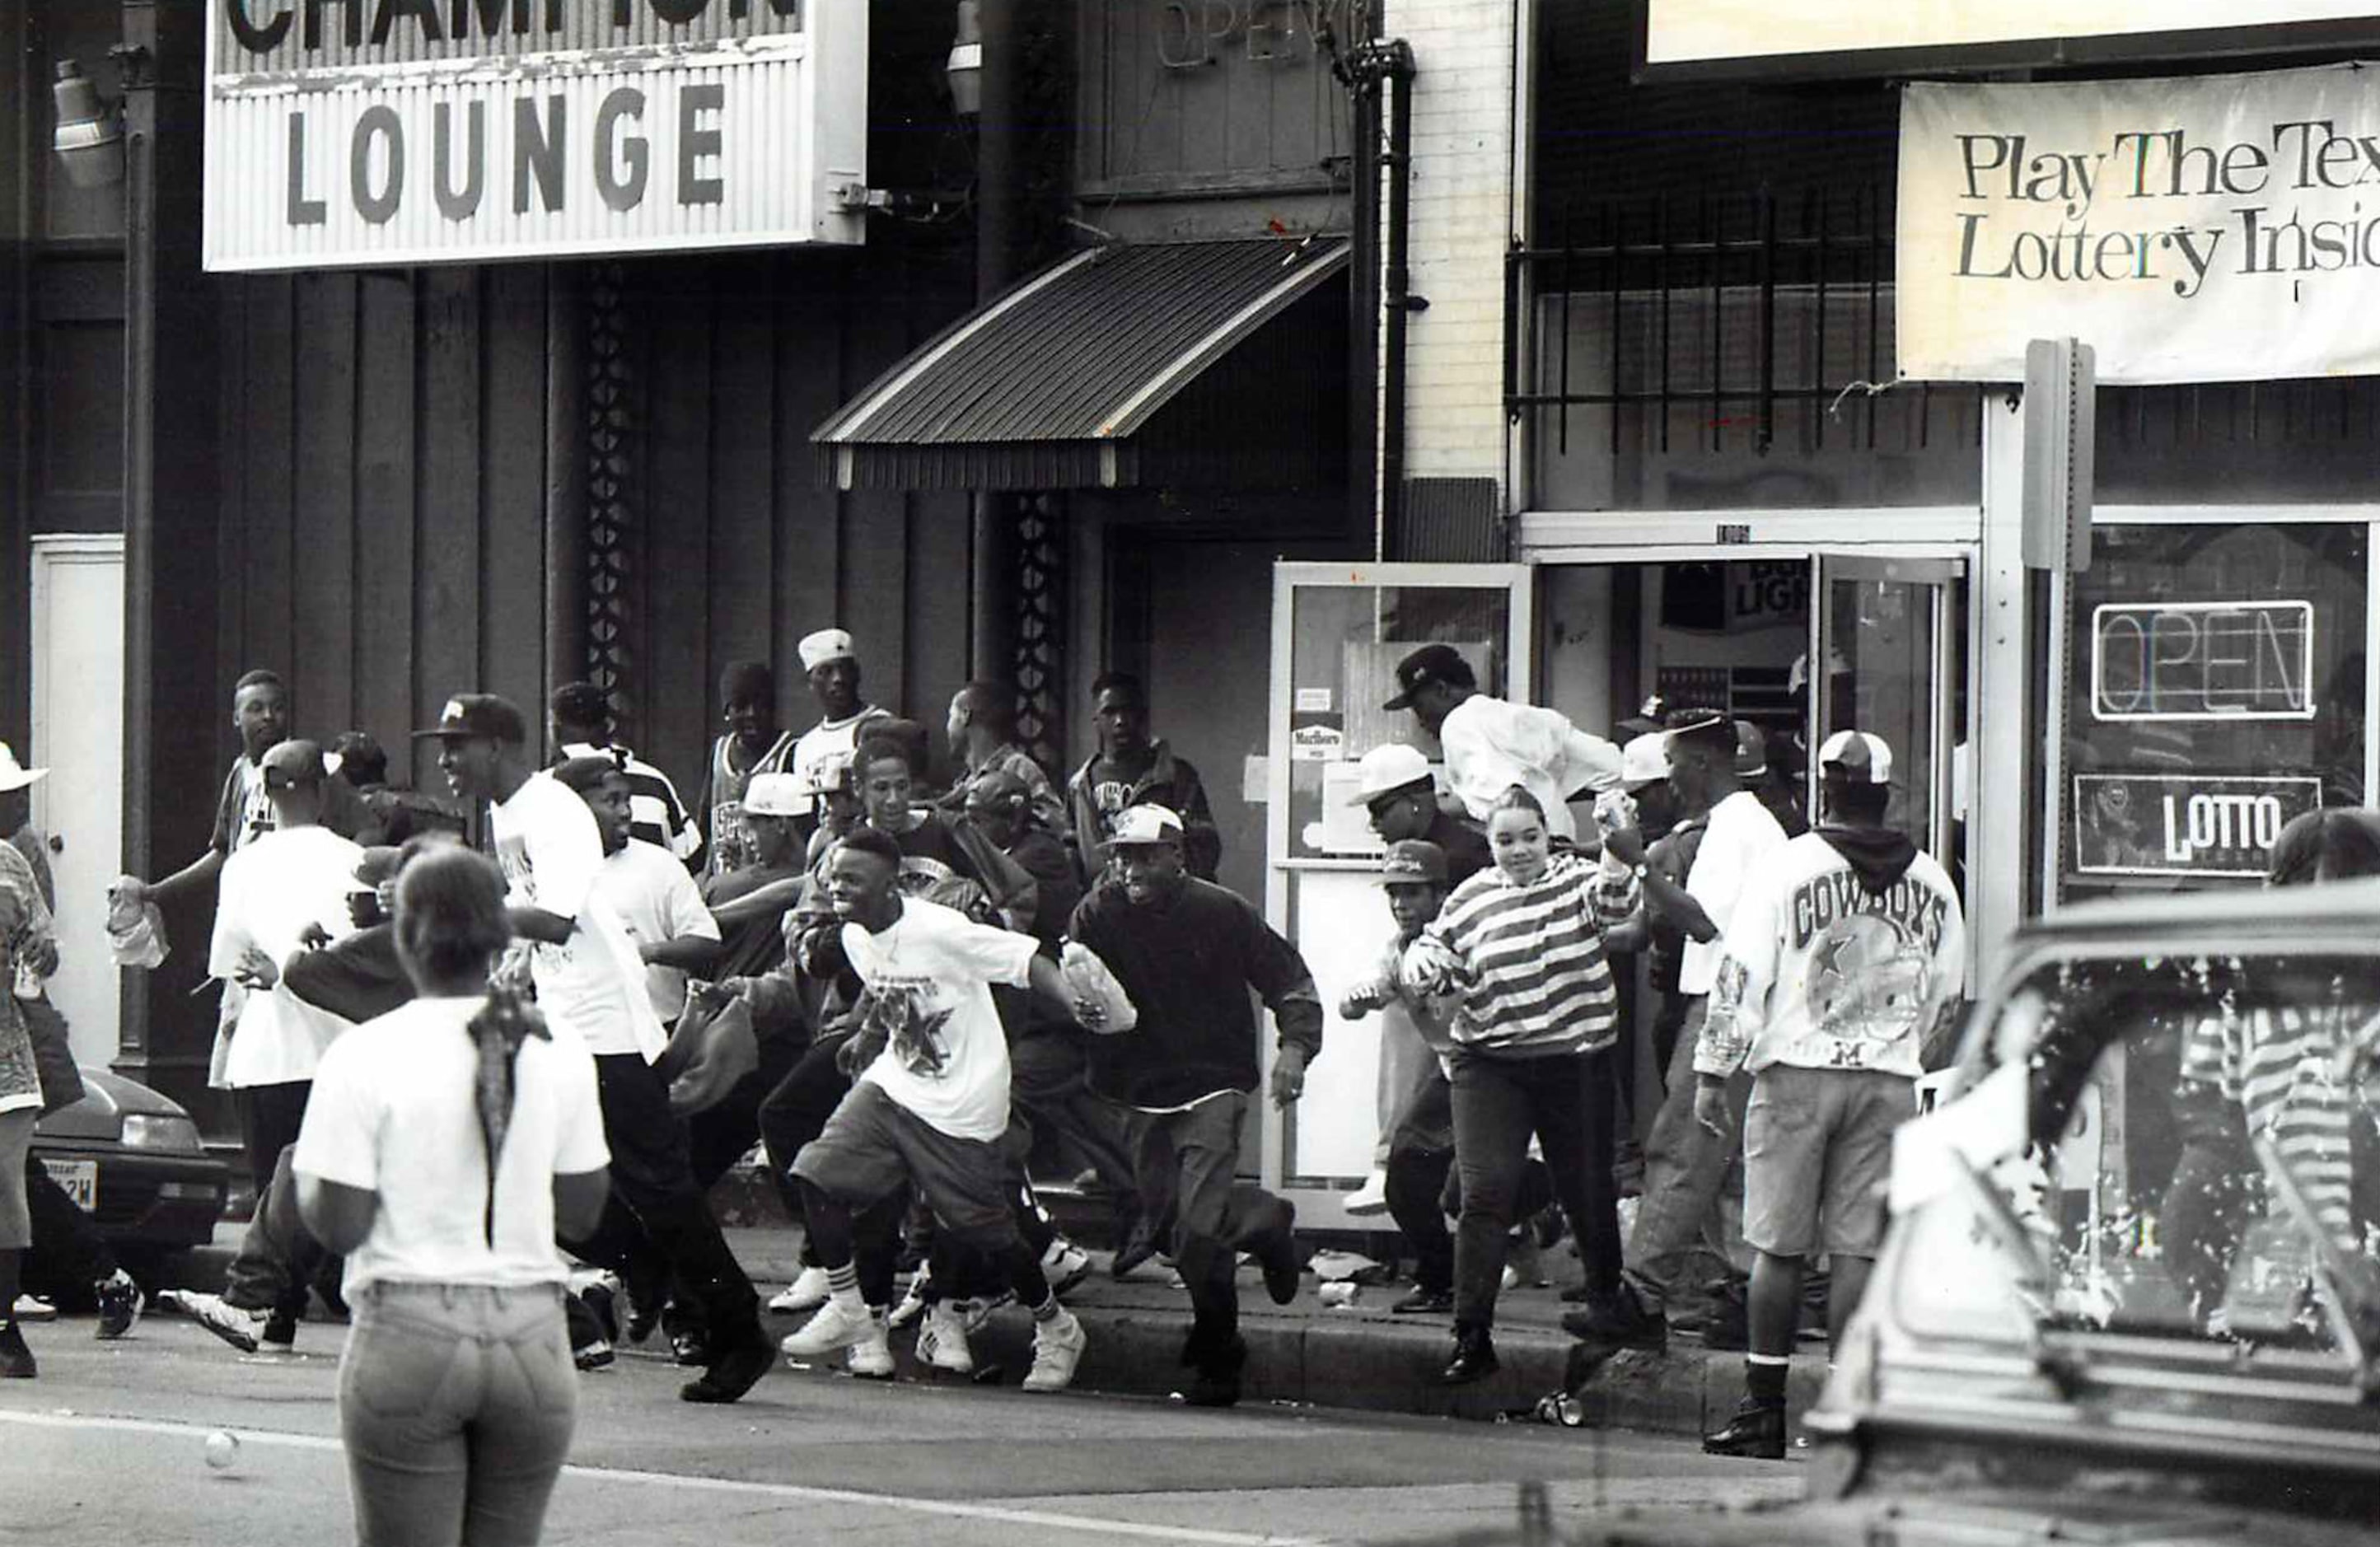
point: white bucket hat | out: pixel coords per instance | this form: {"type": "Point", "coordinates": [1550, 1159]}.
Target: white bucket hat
{"type": "Point", "coordinates": [14, 774]}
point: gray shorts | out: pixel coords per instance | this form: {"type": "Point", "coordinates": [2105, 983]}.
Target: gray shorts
{"type": "Point", "coordinates": [1818, 1145]}
{"type": "Point", "coordinates": [873, 1144]}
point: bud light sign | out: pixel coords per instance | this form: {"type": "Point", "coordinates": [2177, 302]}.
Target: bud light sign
{"type": "Point", "coordinates": [2184, 824]}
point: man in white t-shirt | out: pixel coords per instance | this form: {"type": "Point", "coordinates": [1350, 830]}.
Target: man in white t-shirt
{"type": "Point", "coordinates": [591, 983]}
{"type": "Point", "coordinates": [1686, 1236]}
{"type": "Point", "coordinates": [647, 889]}
{"type": "Point", "coordinates": [1492, 744]}
{"type": "Point", "coordinates": [832, 666]}
{"type": "Point", "coordinates": [929, 1107]}
{"type": "Point", "coordinates": [283, 891]}
{"type": "Point", "coordinates": [1844, 966]}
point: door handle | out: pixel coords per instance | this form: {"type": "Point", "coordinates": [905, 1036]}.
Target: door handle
{"type": "Point", "coordinates": [58, 844]}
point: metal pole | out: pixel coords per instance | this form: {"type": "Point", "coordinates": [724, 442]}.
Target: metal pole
{"type": "Point", "coordinates": [991, 633]}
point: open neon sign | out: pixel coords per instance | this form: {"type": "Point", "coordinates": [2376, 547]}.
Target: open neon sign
{"type": "Point", "coordinates": [2202, 661]}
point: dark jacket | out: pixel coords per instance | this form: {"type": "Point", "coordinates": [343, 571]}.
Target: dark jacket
{"type": "Point", "coordinates": [1040, 855]}
{"type": "Point", "coordinates": [1189, 968]}
{"type": "Point", "coordinates": [1170, 782]}
{"type": "Point", "coordinates": [356, 977]}
{"type": "Point", "coordinates": [1466, 847]}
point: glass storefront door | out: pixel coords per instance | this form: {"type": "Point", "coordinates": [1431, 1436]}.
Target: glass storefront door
{"type": "Point", "coordinates": [1339, 631]}
{"type": "Point", "coordinates": [1892, 632]}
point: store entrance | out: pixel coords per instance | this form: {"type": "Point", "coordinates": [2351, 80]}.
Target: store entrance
{"type": "Point", "coordinates": [1666, 630]}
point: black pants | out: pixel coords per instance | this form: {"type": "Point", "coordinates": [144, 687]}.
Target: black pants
{"type": "Point", "coordinates": [279, 1258]}
{"type": "Point", "coordinates": [716, 1140]}
{"type": "Point", "coordinates": [795, 1111]}
{"type": "Point", "coordinates": [1194, 1156]}
{"type": "Point", "coordinates": [68, 1253]}
{"type": "Point", "coordinates": [656, 1207]}
{"type": "Point", "coordinates": [1047, 1065]}
{"type": "Point", "coordinates": [270, 1116]}
{"type": "Point", "coordinates": [1566, 1101]}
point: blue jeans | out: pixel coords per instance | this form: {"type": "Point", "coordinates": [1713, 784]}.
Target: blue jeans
{"type": "Point", "coordinates": [456, 1403]}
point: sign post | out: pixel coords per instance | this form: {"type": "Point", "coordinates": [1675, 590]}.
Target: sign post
{"type": "Point", "coordinates": [2061, 393]}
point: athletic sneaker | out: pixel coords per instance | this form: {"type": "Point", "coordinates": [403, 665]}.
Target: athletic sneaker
{"type": "Point", "coordinates": [119, 1305]}
{"type": "Point", "coordinates": [834, 1327]}
{"type": "Point", "coordinates": [913, 1301]}
{"type": "Point", "coordinates": [1064, 1264]}
{"type": "Point", "coordinates": [942, 1340]}
{"type": "Point", "coordinates": [1372, 1197]}
{"type": "Point", "coordinates": [241, 1329]}
{"type": "Point", "coordinates": [1058, 1346]}
{"type": "Point", "coordinates": [807, 1292]}
{"type": "Point", "coordinates": [280, 1333]}
{"type": "Point", "coordinates": [593, 1356]}
{"type": "Point", "coordinates": [870, 1358]}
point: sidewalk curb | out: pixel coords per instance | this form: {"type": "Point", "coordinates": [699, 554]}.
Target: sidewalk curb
{"type": "Point", "coordinates": [1303, 1355]}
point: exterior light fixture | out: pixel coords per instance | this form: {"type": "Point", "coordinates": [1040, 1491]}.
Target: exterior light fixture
{"type": "Point", "coordinates": [965, 68]}
{"type": "Point", "coordinates": [90, 135]}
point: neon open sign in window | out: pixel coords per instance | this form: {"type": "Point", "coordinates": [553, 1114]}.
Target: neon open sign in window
{"type": "Point", "coordinates": [2202, 661]}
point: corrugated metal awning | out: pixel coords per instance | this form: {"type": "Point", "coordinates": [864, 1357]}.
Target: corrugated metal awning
{"type": "Point", "coordinates": [1046, 386]}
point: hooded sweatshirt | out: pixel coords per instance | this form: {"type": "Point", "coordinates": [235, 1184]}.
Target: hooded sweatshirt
{"type": "Point", "coordinates": [1844, 953]}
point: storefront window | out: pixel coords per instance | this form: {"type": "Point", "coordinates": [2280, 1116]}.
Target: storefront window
{"type": "Point", "coordinates": [2216, 690]}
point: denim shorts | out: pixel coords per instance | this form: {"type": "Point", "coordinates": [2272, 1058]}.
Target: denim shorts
{"type": "Point", "coordinates": [456, 1403]}
{"type": "Point", "coordinates": [1817, 1147]}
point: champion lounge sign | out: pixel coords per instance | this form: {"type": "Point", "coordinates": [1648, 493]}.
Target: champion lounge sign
{"type": "Point", "coordinates": [2208, 229]}
{"type": "Point", "coordinates": [348, 133]}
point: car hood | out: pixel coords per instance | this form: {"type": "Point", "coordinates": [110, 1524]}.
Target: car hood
{"type": "Point", "coordinates": [107, 1099]}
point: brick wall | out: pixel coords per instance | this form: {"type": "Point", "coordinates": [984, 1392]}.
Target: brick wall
{"type": "Point", "coordinates": [1461, 175]}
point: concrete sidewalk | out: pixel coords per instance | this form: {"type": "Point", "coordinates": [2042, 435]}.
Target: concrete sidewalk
{"type": "Point", "coordinates": [1359, 1355]}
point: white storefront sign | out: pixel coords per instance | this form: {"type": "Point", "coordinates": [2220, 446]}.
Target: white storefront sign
{"type": "Point", "coordinates": [471, 130]}
{"type": "Point", "coordinates": [2210, 229]}
{"type": "Point", "coordinates": [1684, 32]}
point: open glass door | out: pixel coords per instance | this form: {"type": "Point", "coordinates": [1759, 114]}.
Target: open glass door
{"type": "Point", "coordinates": [1339, 631]}
{"type": "Point", "coordinates": [1892, 633]}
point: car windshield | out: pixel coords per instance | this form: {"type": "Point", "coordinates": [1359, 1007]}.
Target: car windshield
{"type": "Point", "coordinates": [2163, 1082]}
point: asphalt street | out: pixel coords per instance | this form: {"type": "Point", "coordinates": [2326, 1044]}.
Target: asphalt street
{"type": "Point", "coordinates": [108, 1448]}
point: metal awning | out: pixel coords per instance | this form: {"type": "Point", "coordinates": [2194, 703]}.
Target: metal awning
{"type": "Point", "coordinates": [1049, 385]}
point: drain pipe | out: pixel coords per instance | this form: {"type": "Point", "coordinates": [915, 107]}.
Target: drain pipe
{"type": "Point", "coordinates": [1388, 65]}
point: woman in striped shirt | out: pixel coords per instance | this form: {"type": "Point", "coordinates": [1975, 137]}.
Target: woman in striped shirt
{"type": "Point", "coordinates": [1522, 943]}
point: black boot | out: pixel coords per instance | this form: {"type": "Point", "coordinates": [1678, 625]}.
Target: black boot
{"type": "Point", "coordinates": [1215, 1362]}
{"type": "Point", "coordinates": [1757, 1431]}
{"type": "Point", "coordinates": [1474, 1356]}
{"type": "Point", "coordinates": [1618, 1318]}
{"type": "Point", "coordinates": [16, 1360]}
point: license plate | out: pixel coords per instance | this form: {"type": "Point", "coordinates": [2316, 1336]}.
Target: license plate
{"type": "Point", "coordinates": [79, 1177]}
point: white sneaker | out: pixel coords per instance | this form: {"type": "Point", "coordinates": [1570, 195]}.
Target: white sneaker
{"type": "Point", "coordinates": [1058, 1346]}
{"type": "Point", "coordinates": [242, 1329]}
{"type": "Point", "coordinates": [834, 1327]}
{"type": "Point", "coordinates": [942, 1340]}
{"type": "Point", "coordinates": [913, 1302]}
{"type": "Point", "coordinates": [1064, 1264]}
{"type": "Point", "coordinates": [1372, 1197]}
{"type": "Point", "coordinates": [870, 1358]}
{"type": "Point", "coordinates": [807, 1292]}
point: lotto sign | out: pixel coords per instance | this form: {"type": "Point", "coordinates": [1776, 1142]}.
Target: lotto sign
{"type": "Point", "coordinates": [382, 132]}
{"type": "Point", "coordinates": [2184, 824]}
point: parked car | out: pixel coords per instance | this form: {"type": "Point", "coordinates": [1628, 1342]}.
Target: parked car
{"type": "Point", "coordinates": [2129, 1293]}
{"type": "Point", "coordinates": [135, 1161]}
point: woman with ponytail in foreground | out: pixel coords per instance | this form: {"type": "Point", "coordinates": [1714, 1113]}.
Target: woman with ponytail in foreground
{"type": "Point", "coordinates": [445, 1145]}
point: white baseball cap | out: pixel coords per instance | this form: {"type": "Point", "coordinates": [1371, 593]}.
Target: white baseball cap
{"type": "Point", "coordinates": [1387, 769]}
{"type": "Point", "coordinates": [14, 776]}
{"type": "Point", "coordinates": [826, 646]}
{"type": "Point", "coordinates": [1864, 758]}
{"type": "Point", "coordinates": [1146, 824]}
{"type": "Point", "coordinates": [775, 794]}
{"type": "Point", "coordinates": [1645, 759]}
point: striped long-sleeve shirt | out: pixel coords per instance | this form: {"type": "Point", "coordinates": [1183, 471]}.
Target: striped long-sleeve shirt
{"type": "Point", "coordinates": [1528, 959]}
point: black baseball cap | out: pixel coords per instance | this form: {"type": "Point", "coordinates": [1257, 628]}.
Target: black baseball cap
{"type": "Point", "coordinates": [468, 716]}
{"type": "Point", "coordinates": [292, 763]}
{"type": "Point", "coordinates": [1431, 663]}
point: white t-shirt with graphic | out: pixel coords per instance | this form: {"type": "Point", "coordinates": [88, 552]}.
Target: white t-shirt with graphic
{"type": "Point", "coordinates": [654, 899]}
{"type": "Point", "coordinates": [930, 975]}
{"type": "Point", "coordinates": [1823, 973]}
{"type": "Point", "coordinates": [593, 984]}
{"type": "Point", "coordinates": [1741, 834]}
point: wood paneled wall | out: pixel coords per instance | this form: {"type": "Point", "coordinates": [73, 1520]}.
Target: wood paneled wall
{"type": "Point", "coordinates": [384, 534]}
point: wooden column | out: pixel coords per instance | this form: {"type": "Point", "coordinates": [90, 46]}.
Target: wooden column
{"type": "Point", "coordinates": [176, 723]}
{"type": "Point", "coordinates": [566, 479]}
